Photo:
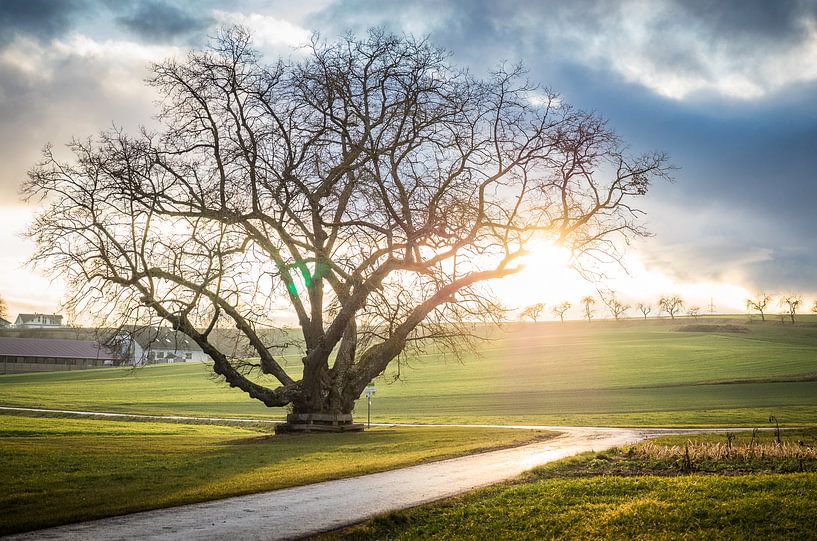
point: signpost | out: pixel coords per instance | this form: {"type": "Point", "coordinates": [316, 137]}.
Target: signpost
{"type": "Point", "coordinates": [369, 391]}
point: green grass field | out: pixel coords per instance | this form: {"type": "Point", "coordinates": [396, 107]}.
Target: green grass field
{"type": "Point", "coordinates": [636, 493]}
{"type": "Point", "coordinates": [627, 373]}
{"type": "Point", "coordinates": [615, 373]}
{"type": "Point", "coordinates": [59, 470]}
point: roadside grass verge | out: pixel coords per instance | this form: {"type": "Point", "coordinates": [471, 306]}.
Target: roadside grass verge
{"type": "Point", "coordinates": [61, 470]}
{"type": "Point", "coordinates": [723, 454]}
{"type": "Point", "coordinates": [759, 490]}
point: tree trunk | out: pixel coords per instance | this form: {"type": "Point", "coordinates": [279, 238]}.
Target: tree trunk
{"type": "Point", "coordinates": [326, 404]}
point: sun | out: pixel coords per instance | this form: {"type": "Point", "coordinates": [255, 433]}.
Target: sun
{"type": "Point", "coordinates": [547, 276]}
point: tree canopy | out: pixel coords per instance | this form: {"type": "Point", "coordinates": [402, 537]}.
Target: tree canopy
{"type": "Point", "coordinates": [367, 187]}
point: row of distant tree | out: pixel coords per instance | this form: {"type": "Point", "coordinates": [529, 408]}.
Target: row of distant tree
{"type": "Point", "coordinates": [672, 305]}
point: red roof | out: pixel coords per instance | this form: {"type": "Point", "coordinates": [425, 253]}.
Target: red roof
{"type": "Point", "coordinates": [64, 349]}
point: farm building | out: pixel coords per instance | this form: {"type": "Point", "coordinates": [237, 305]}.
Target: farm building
{"type": "Point", "coordinates": [41, 355]}
{"type": "Point", "coordinates": [38, 321]}
{"type": "Point", "coordinates": [158, 345]}
{"type": "Point", "coordinates": [4, 323]}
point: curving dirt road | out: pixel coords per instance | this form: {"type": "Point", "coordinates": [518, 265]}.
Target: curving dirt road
{"type": "Point", "coordinates": [306, 510]}
{"type": "Point", "coordinates": [301, 511]}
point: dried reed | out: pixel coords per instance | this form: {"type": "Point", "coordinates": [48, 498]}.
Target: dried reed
{"type": "Point", "coordinates": [696, 451]}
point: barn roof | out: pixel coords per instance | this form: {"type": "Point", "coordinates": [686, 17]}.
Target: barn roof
{"type": "Point", "coordinates": [64, 349]}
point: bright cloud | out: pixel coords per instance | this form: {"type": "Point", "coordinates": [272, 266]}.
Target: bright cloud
{"type": "Point", "coordinates": [266, 30]}
{"type": "Point", "coordinates": [118, 51]}
{"type": "Point", "coordinates": [25, 55]}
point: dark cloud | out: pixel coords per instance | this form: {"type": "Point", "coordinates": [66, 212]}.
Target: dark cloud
{"type": "Point", "coordinates": [39, 19]}
{"type": "Point", "coordinates": [777, 22]}
{"type": "Point", "coordinates": [150, 20]}
{"type": "Point", "coordinates": [788, 269]}
{"type": "Point", "coordinates": [723, 19]}
{"type": "Point", "coordinates": [158, 21]}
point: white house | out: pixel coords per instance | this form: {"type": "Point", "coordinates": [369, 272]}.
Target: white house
{"type": "Point", "coordinates": [159, 345]}
{"type": "Point", "coordinates": [4, 323]}
{"type": "Point", "coordinates": [39, 321]}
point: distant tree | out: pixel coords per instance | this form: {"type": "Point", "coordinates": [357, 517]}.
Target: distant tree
{"type": "Point", "coordinates": [588, 301]}
{"type": "Point", "coordinates": [560, 309]}
{"type": "Point", "coordinates": [671, 304]}
{"type": "Point", "coordinates": [759, 304]}
{"type": "Point", "coordinates": [617, 308]}
{"type": "Point", "coordinates": [4, 310]}
{"type": "Point", "coordinates": [791, 303]}
{"type": "Point", "coordinates": [644, 309]}
{"type": "Point", "coordinates": [814, 308]}
{"type": "Point", "coordinates": [694, 311]}
{"type": "Point", "coordinates": [533, 312]}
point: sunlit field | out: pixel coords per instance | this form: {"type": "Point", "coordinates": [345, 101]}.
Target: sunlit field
{"type": "Point", "coordinates": [607, 373]}
{"type": "Point", "coordinates": [58, 470]}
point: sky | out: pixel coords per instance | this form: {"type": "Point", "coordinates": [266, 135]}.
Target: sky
{"type": "Point", "coordinates": [726, 88]}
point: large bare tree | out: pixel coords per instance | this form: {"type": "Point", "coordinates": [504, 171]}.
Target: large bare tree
{"type": "Point", "coordinates": [367, 187]}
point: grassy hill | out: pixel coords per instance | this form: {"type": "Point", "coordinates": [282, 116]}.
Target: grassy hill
{"type": "Point", "coordinates": [621, 373]}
